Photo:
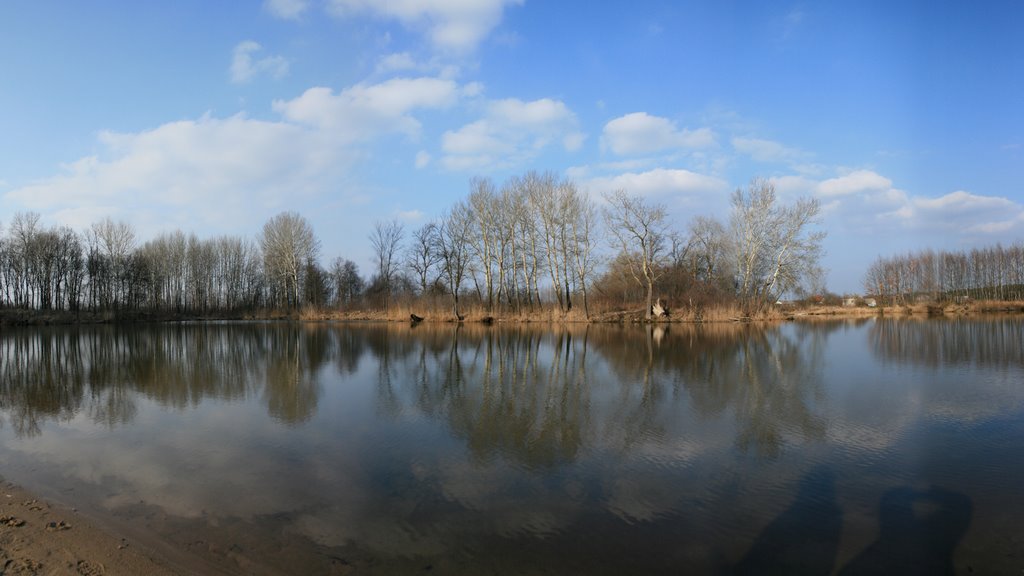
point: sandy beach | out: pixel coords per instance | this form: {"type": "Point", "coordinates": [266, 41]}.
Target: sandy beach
{"type": "Point", "coordinates": [37, 537]}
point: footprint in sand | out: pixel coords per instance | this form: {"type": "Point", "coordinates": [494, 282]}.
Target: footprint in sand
{"type": "Point", "coordinates": [55, 526]}
{"type": "Point", "coordinates": [33, 505]}
{"type": "Point", "coordinates": [21, 566]}
{"type": "Point", "coordinates": [86, 569]}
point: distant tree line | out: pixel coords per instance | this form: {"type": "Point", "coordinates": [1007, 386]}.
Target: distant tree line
{"type": "Point", "coordinates": [535, 242]}
{"type": "Point", "coordinates": [993, 273]}
{"type": "Point", "coordinates": [106, 269]}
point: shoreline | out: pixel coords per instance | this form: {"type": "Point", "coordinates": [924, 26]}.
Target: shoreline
{"type": "Point", "coordinates": [38, 536]}
{"type": "Point", "coordinates": [479, 315]}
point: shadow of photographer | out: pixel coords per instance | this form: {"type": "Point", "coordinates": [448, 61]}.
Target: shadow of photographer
{"type": "Point", "coordinates": [804, 539]}
{"type": "Point", "coordinates": [918, 532]}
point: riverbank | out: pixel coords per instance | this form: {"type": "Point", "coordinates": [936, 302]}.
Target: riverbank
{"type": "Point", "coordinates": [38, 537]}
{"type": "Point", "coordinates": [479, 314]}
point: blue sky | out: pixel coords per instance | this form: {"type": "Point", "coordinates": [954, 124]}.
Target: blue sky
{"type": "Point", "coordinates": [906, 119]}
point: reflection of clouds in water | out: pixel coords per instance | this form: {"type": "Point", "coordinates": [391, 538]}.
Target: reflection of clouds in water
{"type": "Point", "coordinates": [641, 497]}
{"type": "Point", "coordinates": [184, 474]}
{"type": "Point", "coordinates": [675, 452]}
{"type": "Point", "coordinates": [876, 413]}
{"type": "Point", "coordinates": [536, 436]}
{"type": "Point", "coordinates": [508, 500]}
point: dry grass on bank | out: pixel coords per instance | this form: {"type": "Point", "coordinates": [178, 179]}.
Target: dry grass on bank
{"type": "Point", "coordinates": [477, 313]}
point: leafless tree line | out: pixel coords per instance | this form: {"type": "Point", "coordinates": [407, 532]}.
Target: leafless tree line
{"type": "Point", "coordinates": [533, 243]}
{"type": "Point", "coordinates": [511, 247]}
{"type": "Point", "coordinates": [993, 273]}
{"type": "Point", "coordinates": [765, 249]}
{"type": "Point", "coordinates": [105, 268]}
{"type": "Point", "coordinates": [536, 241]}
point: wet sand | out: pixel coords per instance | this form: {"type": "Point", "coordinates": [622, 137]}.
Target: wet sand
{"type": "Point", "coordinates": [37, 537]}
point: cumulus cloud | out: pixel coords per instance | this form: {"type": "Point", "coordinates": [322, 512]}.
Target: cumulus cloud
{"type": "Point", "coordinates": [245, 67]}
{"type": "Point", "coordinates": [858, 181]}
{"type": "Point", "coordinates": [369, 109]}
{"type": "Point", "coordinates": [200, 173]}
{"type": "Point", "coordinates": [967, 212]}
{"type": "Point", "coordinates": [227, 174]}
{"type": "Point", "coordinates": [510, 132]}
{"type": "Point", "coordinates": [286, 9]}
{"type": "Point", "coordinates": [869, 202]}
{"type": "Point", "coordinates": [641, 133]}
{"type": "Point", "coordinates": [451, 25]}
{"type": "Point", "coordinates": [657, 182]}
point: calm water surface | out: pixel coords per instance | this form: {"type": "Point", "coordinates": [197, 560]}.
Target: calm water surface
{"type": "Point", "coordinates": [830, 448]}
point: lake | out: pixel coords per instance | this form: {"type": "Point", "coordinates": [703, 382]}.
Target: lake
{"type": "Point", "coordinates": [846, 447]}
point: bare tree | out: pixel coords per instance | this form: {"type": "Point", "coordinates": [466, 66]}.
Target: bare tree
{"type": "Point", "coordinates": [773, 247]}
{"type": "Point", "coordinates": [348, 284]}
{"type": "Point", "coordinates": [386, 239]}
{"type": "Point", "coordinates": [23, 229]}
{"type": "Point", "coordinates": [583, 222]}
{"type": "Point", "coordinates": [709, 251]}
{"type": "Point", "coordinates": [547, 203]}
{"type": "Point", "coordinates": [640, 231]}
{"type": "Point", "coordinates": [453, 246]}
{"type": "Point", "coordinates": [483, 207]}
{"type": "Point", "coordinates": [422, 257]}
{"type": "Point", "coordinates": [111, 244]}
{"type": "Point", "coordinates": [288, 243]}
{"type": "Point", "coordinates": [527, 234]}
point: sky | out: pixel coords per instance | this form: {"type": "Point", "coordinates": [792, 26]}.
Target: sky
{"type": "Point", "coordinates": [905, 119]}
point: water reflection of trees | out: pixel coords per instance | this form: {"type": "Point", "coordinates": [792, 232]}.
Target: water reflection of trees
{"type": "Point", "coordinates": [937, 343]}
{"type": "Point", "coordinates": [54, 374]}
{"type": "Point", "coordinates": [533, 394]}
{"type": "Point", "coordinates": [771, 379]}
{"type": "Point", "coordinates": [536, 395]}
{"type": "Point", "coordinates": [517, 392]}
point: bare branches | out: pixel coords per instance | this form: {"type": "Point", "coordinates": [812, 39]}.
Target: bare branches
{"type": "Point", "coordinates": [773, 248]}
{"type": "Point", "coordinates": [386, 240]}
{"type": "Point", "coordinates": [641, 233]}
{"type": "Point", "coordinates": [288, 243]}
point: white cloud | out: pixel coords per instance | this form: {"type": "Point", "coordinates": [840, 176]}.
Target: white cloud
{"type": "Point", "coordinates": [794, 185]}
{"type": "Point", "coordinates": [244, 68]}
{"type": "Point", "coordinates": [868, 202]}
{"type": "Point", "coordinates": [451, 25]}
{"type": "Point", "coordinates": [657, 182]}
{"type": "Point", "coordinates": [767, 150]}
{"type": "Point", "coordinates": [422, 159]}
{"type": "Point", "coordinates": [365, 110]}
{"type": "Point", "coordinates": [641, 133]}
{"type": "Point", "coordinates": [194, 174]}
{"type": "Point", "coordinates": [511, 132]}
{"type": "Point", "coordinates": [286, 9]}
{"type": "Point", "coordinates": [410, 215]}
{"type": "Point", "coordinates": [399, 62]}
{"type": "Point", "coordinates": [967, 212]}
{"type": "Point", "coordinates": [858, 181]}
{"type": "Point", "coordinates": [228, 174]}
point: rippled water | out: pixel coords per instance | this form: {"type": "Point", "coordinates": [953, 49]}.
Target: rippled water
{"type": "Point", "coordinates": [847, 447]}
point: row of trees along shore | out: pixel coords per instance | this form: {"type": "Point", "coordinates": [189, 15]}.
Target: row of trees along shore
{"type": "Point", "coordinates": [993, 273]}
{"type": "Point", "coordinates": [533, 244]}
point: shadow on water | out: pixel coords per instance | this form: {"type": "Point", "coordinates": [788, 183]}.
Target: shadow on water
{"type": "Point", "coordinates": [804, 539]}
{"type": "Point", "coordinates": [918, 533]}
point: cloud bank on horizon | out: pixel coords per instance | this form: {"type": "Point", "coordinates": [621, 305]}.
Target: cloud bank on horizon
{"type": "Point", "coordinates": [352, 111]}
